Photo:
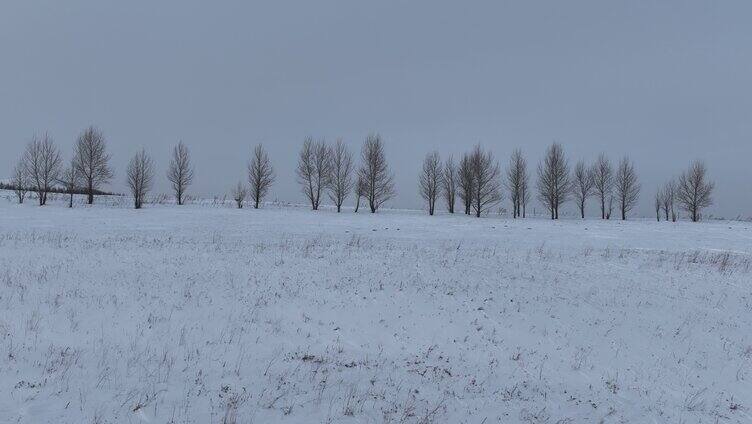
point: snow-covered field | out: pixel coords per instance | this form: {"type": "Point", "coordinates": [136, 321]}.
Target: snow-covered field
{"type": "Point", "coordinates": [200, 314]}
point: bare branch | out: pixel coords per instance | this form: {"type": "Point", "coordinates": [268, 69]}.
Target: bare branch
{"type": "Point", "coordinates": [140, 176]}
{"type": "Point", "coordinates": [486, 181]}
{"type": "Point", "coordinates": [314, 169]}
{"type": "Point", "coordinates": [449, 183]}
{"type": "Point", "coordinates": [239, 193]}
{"type": "Point", "coordinates": [516, 183]}
{"type": "Point", "coordinates": [430, 180]}
{"type": "Point", "coordinates": [465, 179]}
{"type": "Point", "coordinates": [627, 187]}
{"type": "Point", "coordinates": [582, 185]}
{"type": "Point", "coordinates": [341, 182]}
{"type": "Point", "coordinates": [603, 182]}
{"type": "Point", "coordinates": [180, 172]}
{"type": "Point", "coordinates": [693, 191]}
{"type": "Point", "coordinates": [554, 183]}
{"type": "Point", "coordinates": [42, 164]}
{"type": "Point", "coordinates": [92, 161]}
{"type": "Point", "coordinates": [260, 175]}
{"type": "Point", "coordinates": [377, 179]}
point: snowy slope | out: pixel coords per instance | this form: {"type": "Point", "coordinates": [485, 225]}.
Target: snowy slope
{"type": "Point", "coordinates": [201, 314]}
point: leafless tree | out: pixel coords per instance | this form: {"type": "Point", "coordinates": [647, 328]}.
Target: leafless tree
{"type": "Point", "coordinates": [657, 205]}
{"type": "Point", "coordinates": [582, 186]}
{"type": "Point", "coordinates": [70, 180]}
{"type": "Point", "coordinates": [524, 190]}
{"type": "Point", "coordinates": [610, 206]}
{"type": "Point", "coordinates": [42, 165]}
{"type": "Point", "coordinates": [627, 187]}
{"type": "Point", "coordinates": [554, 182]}
{"type": "Point", "coordinates": [378, 180]}
{"type": "Point", "coordinates": [342, 168]}
{"type": "Point", "coordinates": [465, 180]}
{"type": "Point", "coordinates": [239, 193]}
{"type": "Point", "coordinates": [92, 161]}
{"type": "Point", "coordinates": [180, 172]}
{"type": "Point", "coordinates": [668, 197]}
{"type": "Point", "coordinates": [140, 177]}
{"type": "Point", "coordinates": [486, 180]}
{"type": "Point", "coordinates": [430, 180]}
{"type": "Point", "coordinates": [693, 191]}
{"type": "Point", "coordinates": [314, 169]}
{"type": "Point", "coordinates": [603, 182]}
{"type": "Point", "coordinates": [449, 183]}
{"type": "Point", "coordinates": [20, 181]}
{"type": "Point", "coordinates": [260, 175]}
{"type": "Point", "coordinates": [360, 191]}
{"type": "Point", "coordinates": [516, 177]}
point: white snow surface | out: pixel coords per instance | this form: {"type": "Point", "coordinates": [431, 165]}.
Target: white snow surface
{"type": "Point", "coordinates": [201, 314]}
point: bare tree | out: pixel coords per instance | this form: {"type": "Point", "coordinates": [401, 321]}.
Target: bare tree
{"type": "Point", "coordinates": [516, 182]}
{"type": "Point", "coordinates": [486, 180]}
{"type": "Point", "coordinates": [610, 206]}
{"type": "Point", "coordinates": [627, 187]}
{"type": "Point", "coordinates": [92, 161]}
{"type": "Point", "coordinates": [20, 181]}
{"type": "Point", "coordinates": [658, 203]}
{"type": "Point", "coordinates": [524, 189]}
{"type": "Point", "coordinates": [668, 197]}
{"type": "Point", "coordinates": [360, 191]}
{"type": "Point", "coordinates": [314, 169]}
{"type": "Point", "coordinates": [449, 183]}
{"type": "Point", "coordinates": [378, 180]}
{"type": "Point", "coordinates": [342, 168]}
{"type": "Point", "coordinates": [693, 191]}
{"type": "Point", "coordinates": [582, 186]}
{"type": "Point", "coordinates": [465, 179]}
{"type": "Point", "coordinates": [603, 182]}
{"type": "Point", "coordinates": [140, 175]}
{"type": "Point", "coordinates": [260, 175]}
{"type": "Point", "coordinates": [70, 180]}
{"type": "Point", "coordinates": [554, 182]}
{"type": "Point", "coordinates": [42, 165]}
{"type": "Point", "coordinates": [430, 180]}
{"type": "Point", "coordinates": [180, 172]}
{"type": "Point", "coordinates": [239, 193]}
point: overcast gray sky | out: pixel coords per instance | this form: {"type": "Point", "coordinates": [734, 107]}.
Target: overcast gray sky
{"type": "Point", "coordinates": [665, 82]}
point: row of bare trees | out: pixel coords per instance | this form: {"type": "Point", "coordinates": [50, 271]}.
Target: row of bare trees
{"type": "Point", "coordinates": [692, 191]}
{"type": "Point", "coordinates": [477, 183]}
{"type": "Point", "coordinates": [41, 169]}
{"type": "Point", "coordinates": [332, 170]}
{"type": "Point", "coordinates": [476, 179]}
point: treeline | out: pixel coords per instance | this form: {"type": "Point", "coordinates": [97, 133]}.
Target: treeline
{"type": "Point", "coordinates": [475, 182]}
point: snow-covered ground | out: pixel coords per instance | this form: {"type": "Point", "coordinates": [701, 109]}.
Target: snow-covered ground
{"type": "Point", "coordinates": [204, 313]}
